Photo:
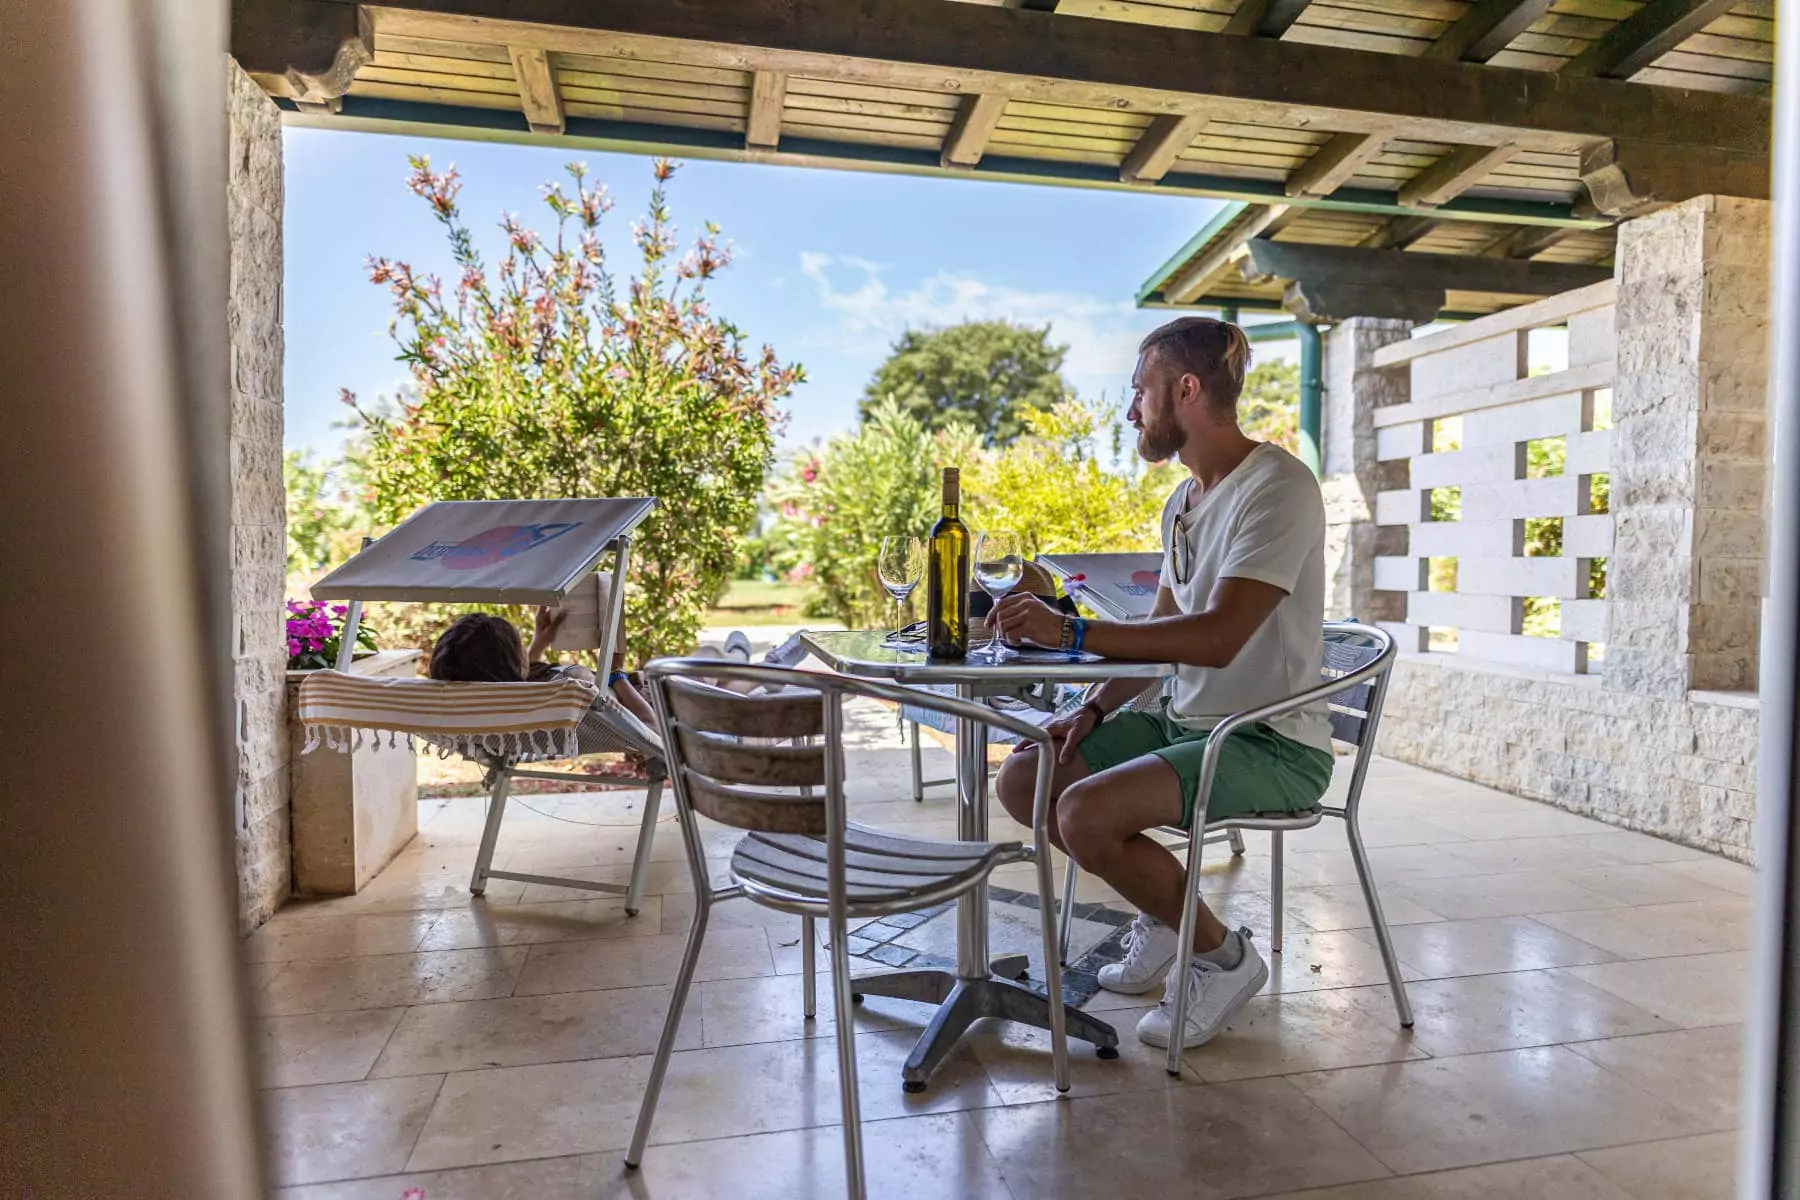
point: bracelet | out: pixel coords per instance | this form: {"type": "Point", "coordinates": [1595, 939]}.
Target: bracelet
{"type": "Point", "coordinates": [616, 677]}
{"type": "Point", "coordinates": [1099, 713]}
{"type": "Point", "coordinates": [1062, 640]}
{"type": "Point", "coordinates": [1080, 624]}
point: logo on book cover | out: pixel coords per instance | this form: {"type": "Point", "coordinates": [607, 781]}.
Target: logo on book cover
{"type": "Point", "coordinates": [492, 545]}
{"type": "Point", "coordinates": [1142, 583]}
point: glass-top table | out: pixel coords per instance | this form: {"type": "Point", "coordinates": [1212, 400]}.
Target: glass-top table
{"type": "Point", "coordinates": [979, 987]}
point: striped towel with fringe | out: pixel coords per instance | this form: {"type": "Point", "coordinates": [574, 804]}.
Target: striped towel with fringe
{"type": "Point", "coordinates": [511, 720]}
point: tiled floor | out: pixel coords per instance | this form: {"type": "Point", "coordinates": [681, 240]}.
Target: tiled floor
{"type": "Point", "coordinates": [1577, 990]}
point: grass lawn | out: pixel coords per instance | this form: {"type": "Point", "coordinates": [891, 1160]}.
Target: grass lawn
{"type": "Point", "coordinates": [750, 602]}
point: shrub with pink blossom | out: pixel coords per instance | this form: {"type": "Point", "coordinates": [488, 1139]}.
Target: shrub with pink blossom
{"type": "Point", "coordinates": [315, 632]}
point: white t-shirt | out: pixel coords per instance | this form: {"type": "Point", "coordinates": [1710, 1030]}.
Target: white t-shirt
{"type": "Point", "coordinates": [1264, 521]}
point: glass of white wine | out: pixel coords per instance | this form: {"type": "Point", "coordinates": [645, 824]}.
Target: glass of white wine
{"type": "Point", "coordinates": [901, 566]}
{"type": "Point", "coordinates": [999, 565]}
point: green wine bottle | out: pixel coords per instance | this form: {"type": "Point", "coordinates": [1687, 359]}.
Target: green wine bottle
{"type": "Point", "coordinates": [947, 578]}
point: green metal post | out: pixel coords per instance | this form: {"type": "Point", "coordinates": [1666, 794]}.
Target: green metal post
{"type": "Point", "coordinates": [1312, 389]}
{"type": "Point", "coordinates": [1312, 382]}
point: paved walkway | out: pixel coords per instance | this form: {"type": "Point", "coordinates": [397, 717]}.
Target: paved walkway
{"type": "Point", "coordinates": [1578, 990]}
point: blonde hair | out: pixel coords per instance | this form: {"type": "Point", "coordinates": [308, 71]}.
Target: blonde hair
{"type": "Point", "coordinates": [1215, 352]}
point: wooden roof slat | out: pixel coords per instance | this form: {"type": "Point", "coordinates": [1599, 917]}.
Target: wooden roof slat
{"type": "Point", "coordinates": [1116, 147]}
{"type": "Point", "coordinates": [804, 85]}
{"type": "Point", "coordinates": [439, 48]}
{"type": "Point", "coordinates": [1729, 47]}
{"type": "Point", "coordinates": [592, 64]}
{"type": "Point", "coordinates": [1127, 122]}
{"type": "Point", "coordinates": [438, 64]}
{"type": "Point", "coordinates": [809, 102]}
{"type": "Point", "coordinates": [869, 137]}
{"type": "Point", "coordinates": [1523, 61]}
{"type": "Point", "coordinates": [435, 79]}
{"type": "Point", "coordinates": [435, 95]}
{"type": "Point", "coordinates": [1356, 39]}
{"type": "Point", "coordinates": [590, 81]}
{"type": "Point", "coordinates": [1169, 16]}
{"type": "Point", "coordinates": [1645, 36]}
{"type": "Point", "coordinates": [1486, 29]}
{"type": "Point", "coordinates": [1707, 64]}
{"type": "Point", "coordinates": [608, 98]}
{"type": "Point", "coordinates": [1371, 20]}
{"type": "Point", "coordinates": [1267, 133]}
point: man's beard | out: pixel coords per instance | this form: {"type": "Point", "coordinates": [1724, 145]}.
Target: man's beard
{"type": "Point", "coordinates": [1160, 443]}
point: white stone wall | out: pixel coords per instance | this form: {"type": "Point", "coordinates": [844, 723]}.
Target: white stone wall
{"type": "Point", "coordinates": [1665, 740]}
{"type": "Point", "coordinates": [1682, 767]}
{"type": "Point", "coordinates": [258, 504]}
{"type": "Point", "coordinates": [1352, 475]}
{"type": "Point", "coordinates": [1689, 448]}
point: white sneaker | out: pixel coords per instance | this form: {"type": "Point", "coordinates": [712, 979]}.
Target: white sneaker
{"type": "Point", "coordinates": [1214, 994]}
{"type": "Point", "coordinates": [1149, 949]}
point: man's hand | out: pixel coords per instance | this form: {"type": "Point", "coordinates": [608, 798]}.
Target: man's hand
{"type": "Point", "coordinates": [1067, 732]}
{"type": "Point", "coordinates": [1022, 617]}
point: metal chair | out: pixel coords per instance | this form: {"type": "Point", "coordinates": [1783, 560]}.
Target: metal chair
{"type": "Point", "coordinates": [802, 855]}
{"type": "Point", "coordinates": [1357, 662]}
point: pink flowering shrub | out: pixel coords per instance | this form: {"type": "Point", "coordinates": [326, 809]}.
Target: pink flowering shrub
{"type": "Point", "coordinates": [315, 634]}
{"type": "Point", "coordinates": [543, 376]}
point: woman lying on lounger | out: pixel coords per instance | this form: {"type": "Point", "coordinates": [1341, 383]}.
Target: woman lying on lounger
{"type": "Point", "coordinates": [482, 648]}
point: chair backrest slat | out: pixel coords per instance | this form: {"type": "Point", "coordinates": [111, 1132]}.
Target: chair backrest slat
{"type": "Point", "coordinates": [1347, 651]}
{"type": "Point", "coordinates": [730, 751]}
{"type": "Point", "coordinates": [749, 808]}
{"type": "Point", "coordinates": [783, 715]}
{"type": "Point", "coordinates": [763, 763]}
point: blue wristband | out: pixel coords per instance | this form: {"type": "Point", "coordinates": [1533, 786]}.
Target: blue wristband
{"type": "Point", "coordinates": [616, 677]}
{"type": "Point", "coordinates": [1079, 627]}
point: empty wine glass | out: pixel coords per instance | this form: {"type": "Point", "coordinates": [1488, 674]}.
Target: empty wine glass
{"type": "Point", "coordinates": [901, 565]}
{"type": "Point", "coordinates": [999, 565]}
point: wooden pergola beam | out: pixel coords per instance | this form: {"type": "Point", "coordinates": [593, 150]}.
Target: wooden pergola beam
{"type": "Point", "coordinates": [1262, 220]}
{"type": "Point", "coordinates": [768, 92]}
{"type": "Point", "coordinates": [1645, 36]}
{"type": "Point", "coordinates": [1332, 164]}
{"type": "Point", "coordinates": [1407, 270]}
{"type": "Point", "coordinates": [1265, 18]}
{"type": "Point", "coordinates": [1453, 174]}
{"type": "Point", "coordinates": [537, 89]}
{"type": "Point", "coordinates": [1159, 146]}
{"type": "Point", "coordinates": [974, 49]}
{"type": "Point", "coordinates": [969, 132]}
{"type": "Point", "coordinates": [1397, 233]}
{"type": "Point", "coordinates": [1525, 241]}
{"type": "Point", "coordinates": [1485, 29]}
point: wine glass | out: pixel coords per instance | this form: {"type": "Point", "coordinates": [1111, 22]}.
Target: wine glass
{"type": "Point", "coordinates": [999, 565]}
{"type": "Point", "coordinates": [900, 566]}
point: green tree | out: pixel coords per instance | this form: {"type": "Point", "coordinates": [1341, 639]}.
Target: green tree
{"type": "Point", "coordinates": [1051, 486]}
{"type": "Point", "coordinates": [543, 378]}
{"type": "Point", "coordinates": [835, 504]}
{"type": "Point", "coordinates": [1269, 406]}
{"type": "Point", "coordinates": [985, 373]}
{"type": "Point", "coordinates": [323, 525]}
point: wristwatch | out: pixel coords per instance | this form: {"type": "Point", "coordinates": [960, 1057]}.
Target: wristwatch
{"type": "Point", "coordinates": [1099, 713]}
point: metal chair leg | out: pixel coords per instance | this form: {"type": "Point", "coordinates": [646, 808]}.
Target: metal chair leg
{"type": "Point", "coordinates": [1277, 901]}
{"type": "Point", "coordinates": [1066, 914]}
{"type": "Point", "coordinates": [640, 862]}
{"type": "Point", "coordinates": [918, 770]}
{"type": "Point", "coordinates": [1383, 939]}
{"type": "Point", "coordinates": [809, 988]}
{"type": "Point", "coordinates": [846, 1047]}
{"type": "Point", "coordinates": [1236, 839]}
{"type": "Point", "coordinates": [1059, 1038]}
{"type": "Point", "coordinates": [659, 1067]}
{"type": "Point", "coordinates": [490, 832]}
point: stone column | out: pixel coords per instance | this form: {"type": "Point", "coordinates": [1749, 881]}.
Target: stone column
{"type": "Point", "coordinates": [1684, 578]}
{"type": "Point", "coordinates": [258, 500]}
{"type": "Point", "coordinates": [1354, 389]}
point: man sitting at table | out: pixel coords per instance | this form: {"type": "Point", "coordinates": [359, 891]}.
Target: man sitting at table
{"type": "Point", "coordinates": [1239, 610]}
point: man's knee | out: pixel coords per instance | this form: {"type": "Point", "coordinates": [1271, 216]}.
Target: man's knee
{"type": "Point", "coordinates": [1081, 815]}
{"type": "Point", "coordinates": [1016, 782]}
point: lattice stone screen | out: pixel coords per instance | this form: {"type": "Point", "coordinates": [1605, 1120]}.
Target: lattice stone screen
{"type": "Point", "coordinates": [1505, 488]}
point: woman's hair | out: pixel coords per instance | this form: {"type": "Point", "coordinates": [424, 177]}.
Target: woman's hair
{"type": "Point", "coordinates": [478, 648]}
{"type": "Point", "coordinates": [1215, 352]}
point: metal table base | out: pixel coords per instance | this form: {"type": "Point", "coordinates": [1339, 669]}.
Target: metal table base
{"type": "Point", "coordinates": [978, 988]}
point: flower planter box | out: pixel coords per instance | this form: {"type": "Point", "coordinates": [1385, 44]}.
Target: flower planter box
{"type": "Point", "coordinates": [351, 812]}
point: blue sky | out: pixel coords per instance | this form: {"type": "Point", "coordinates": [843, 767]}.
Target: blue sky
{"type": "Point", "coordinates": [831, 266]}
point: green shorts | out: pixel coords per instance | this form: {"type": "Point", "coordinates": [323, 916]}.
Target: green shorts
{"type": "Point", "coordinates": [1259, 771]}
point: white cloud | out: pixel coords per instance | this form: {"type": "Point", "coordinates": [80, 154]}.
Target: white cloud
{"type": "Point", "coordinates": [1102, 332]}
